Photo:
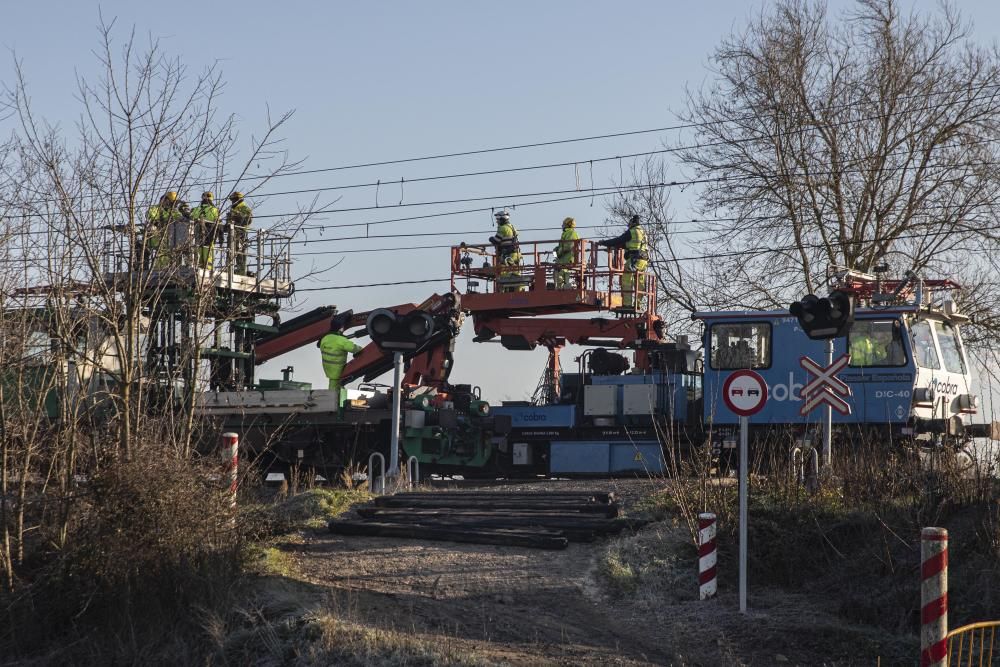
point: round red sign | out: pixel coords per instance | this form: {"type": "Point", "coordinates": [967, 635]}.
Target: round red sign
{"type": "Point", "coordinates": [745, 393]}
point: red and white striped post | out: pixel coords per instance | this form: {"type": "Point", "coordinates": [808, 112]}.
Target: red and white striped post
{"type": "Point", "coordinates": [933, 597]}
{"type": "Point", "coordinates": [706, 556]}
{"type": "Point", "coordinates": [231, 463]}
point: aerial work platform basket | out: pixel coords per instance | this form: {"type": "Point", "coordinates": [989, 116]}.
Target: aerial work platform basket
{"type": "Point", "coordinates": [593, 281]}
{"type": "Point", "coordinates": [178, 262]}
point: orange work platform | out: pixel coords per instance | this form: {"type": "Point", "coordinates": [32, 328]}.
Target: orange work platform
{"type": "Point", "coordinates": [529, 287]}
{"type": "Point", "coordinates": [518, 302]}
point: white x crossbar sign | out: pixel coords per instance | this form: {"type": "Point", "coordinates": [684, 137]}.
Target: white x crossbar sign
{"type": "Point", "coordinates": [825, 387]}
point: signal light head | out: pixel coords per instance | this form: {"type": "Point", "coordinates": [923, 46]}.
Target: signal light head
{"type": "Point", "coordinates": [829, 317]}
{"type": "Point", "coordinates": [392, 332]}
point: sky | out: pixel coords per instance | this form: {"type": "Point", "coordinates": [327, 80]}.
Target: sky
{"type": "Point", "coordinates": [382, 81]}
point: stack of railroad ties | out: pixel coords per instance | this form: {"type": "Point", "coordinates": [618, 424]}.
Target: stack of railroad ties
{"type": "Point", "coordinates": [542, 520]}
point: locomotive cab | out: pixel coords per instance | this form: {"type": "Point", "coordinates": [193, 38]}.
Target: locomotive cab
{"type": "Point", "coordinates": [908, 374]}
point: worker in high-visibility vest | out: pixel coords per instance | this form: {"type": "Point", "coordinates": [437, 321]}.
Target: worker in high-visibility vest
{"type": "Point", "coordinates": [158, 219]}
{"type": "Point", "coordinates": [864, 350]}
{"type": "Point", "coordinates": [206, 219]}
{"type": "Point", "coordinates": [334, 348]}
{"type": "Point", "coordinates": [508, 252]}
{"type": "Point", "coordinates": [238, 228]}
{"type": "Point", "coordinates": [633, 240]}
{"type": "Point", "coordinates": [566, 252]}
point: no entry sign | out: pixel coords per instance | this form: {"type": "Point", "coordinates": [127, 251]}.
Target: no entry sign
{"type": "Point", "coordinates": [745, 393]}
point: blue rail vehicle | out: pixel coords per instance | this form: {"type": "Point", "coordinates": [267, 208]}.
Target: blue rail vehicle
{"type": "Point", "coordinates": [607, 421]}
{"type": "Point", "coordinates": [908, 374]}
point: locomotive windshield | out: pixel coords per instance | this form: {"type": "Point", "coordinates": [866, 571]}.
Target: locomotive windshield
{"type": "Point", "coordinates": [741, 346]}
{"type": "Point", "coordinates": [951, 352]}
{"type": "Point", "coordinates": [876, 343]}
{"type": "Point", "coordinates": [923, 345]}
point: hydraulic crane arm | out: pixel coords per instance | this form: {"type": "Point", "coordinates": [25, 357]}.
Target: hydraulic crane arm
{"type": "Point", "coordinates": [293, 334]}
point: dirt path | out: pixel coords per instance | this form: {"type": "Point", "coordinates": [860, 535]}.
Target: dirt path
{"type": "Point", "coordinates": [510, 605]}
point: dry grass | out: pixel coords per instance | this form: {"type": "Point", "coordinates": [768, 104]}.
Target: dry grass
{"type": "Point", "coordinates": [312, 509]}
{"type": "Point", "coordinates": [846, 555]}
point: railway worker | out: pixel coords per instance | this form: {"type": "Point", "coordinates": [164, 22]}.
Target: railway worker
{"type": "Point", "coordinates": [865, 350]}
{"type": "Point", "coordinates": [334, 348]}
{"type": "Point", "coordinates": [566, 252]}
{"type": "Point", "coordinates": [633, 241]}
{"type": "Point", "coordinates": [158, 219]}
{"type": "Point", "coordinates": [206, 220]}
{"type": "Point", "coordinates": [508, 252]}
{"type": "Point", "coordinates": [237, 229]}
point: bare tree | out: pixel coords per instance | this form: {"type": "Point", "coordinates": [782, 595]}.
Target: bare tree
{"type": "Point", "coordinates": [849, 141]}
{"type": "Point", "coordinates": [147, 126]}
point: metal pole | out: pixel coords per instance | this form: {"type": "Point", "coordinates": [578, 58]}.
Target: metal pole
{"type": "Point", "coordinates": [828, 431]}
{"type": "Point", "coordinates": [397, 399]}
{"type": "Point", "coordinates": [744, 481]}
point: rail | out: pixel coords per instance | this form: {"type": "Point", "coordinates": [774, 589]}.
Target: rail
{"type": "Point", "coordinates": [593, 271]}
{"type": "Point", "coordinates": [973, 645]}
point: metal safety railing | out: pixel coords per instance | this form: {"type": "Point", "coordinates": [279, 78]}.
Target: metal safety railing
{"type": "Point", "coordinates": [593, 269]}
{"type": "Point", "coordinates": [262, 254]}
{"type": "Point", "coordinates": [973, 644]}
{"type": "Point", "coordinates": [376, 484]}
{"type": "Point", "coordinates": [413, 471]}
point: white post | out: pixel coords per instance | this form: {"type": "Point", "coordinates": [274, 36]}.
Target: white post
{"type": "Point", "coordinates": [397, 400]}
{"type": "Point", "coordinates": [744, 482]}
{"type": "Point", "coordinates": [828, 431]}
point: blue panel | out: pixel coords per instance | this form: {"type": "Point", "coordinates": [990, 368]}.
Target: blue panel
{"type": "Point", "coordinates": [879, 394]}
{"type": "Point", "coordinates": [579, 457]}
{"type": "Point", "coordinates": [643, 456]}
{"type": "Point", "coordinates": [537, 416]}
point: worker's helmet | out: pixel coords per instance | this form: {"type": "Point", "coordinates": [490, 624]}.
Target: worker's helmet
{"type": "Point", "coordinates": [569, 223]}
{"type": "Point", "coordinates": [207, 196]}
{"type": "Point", "coordinates": [340, 321]}
{"type": "Point", "coordinates": [634, 221]}
{"type": "Point", "coordinates": [170, 196]}
{"type": "Point", "coordinates": [502, 216]}
{"type": "Point", "coordinates": [236, 196]}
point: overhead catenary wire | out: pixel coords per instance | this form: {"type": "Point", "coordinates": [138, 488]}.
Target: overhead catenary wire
{"type": "Point", "coordinates": [672, 260]}
{"type": "Point", "coordinates": [979, 95]}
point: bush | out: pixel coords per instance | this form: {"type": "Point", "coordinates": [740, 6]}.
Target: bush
{"type": "Point", "coordinates": [151, 543]}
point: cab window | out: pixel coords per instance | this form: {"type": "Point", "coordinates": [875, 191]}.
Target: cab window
{"type": "Point", "coordinates": [746, 345]}
{"type": "Point", "coordinates": [923, 345]}
{"type": "Point", "coordinates": [951, 352]}
{"type": "Point", "coordinates": [876, 343]}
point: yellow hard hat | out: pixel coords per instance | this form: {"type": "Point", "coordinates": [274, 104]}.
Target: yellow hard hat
{"type": "Point", "coordinates": [207, 195]}
{"type": "Point", "coordinates": [569, 222]}
{"type": "Point", "coordinates": [236, 196]}
{"type": "Point", "coordinates": [171, 196]}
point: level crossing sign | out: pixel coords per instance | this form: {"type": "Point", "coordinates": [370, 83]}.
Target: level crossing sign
{"type": "Point", "coordinates": [745, 393]}
{"type": "Point", "coordinates": [825, 388]}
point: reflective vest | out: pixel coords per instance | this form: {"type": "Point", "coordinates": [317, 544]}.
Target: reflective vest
{"type": "Point", "coordinates": [205, 212]}
{"type": "Point", "coordinates": [157, 219]}
{"type": "Point", "coordinates": [507, 247]}
{"type": "Point", "coordinates": [862, 351]}
{"type": "Point", "coordinates": [240, 215]}
{"type": "Point", "coordinates": [567, 245]}
{"type": "Point", "coordinates": [636, 244]}
{"type": "Point", "coordinates": [335, 347]}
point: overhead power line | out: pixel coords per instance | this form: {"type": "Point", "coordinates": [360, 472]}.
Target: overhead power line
{"type": "Point", "coordinates": [980, 93]}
